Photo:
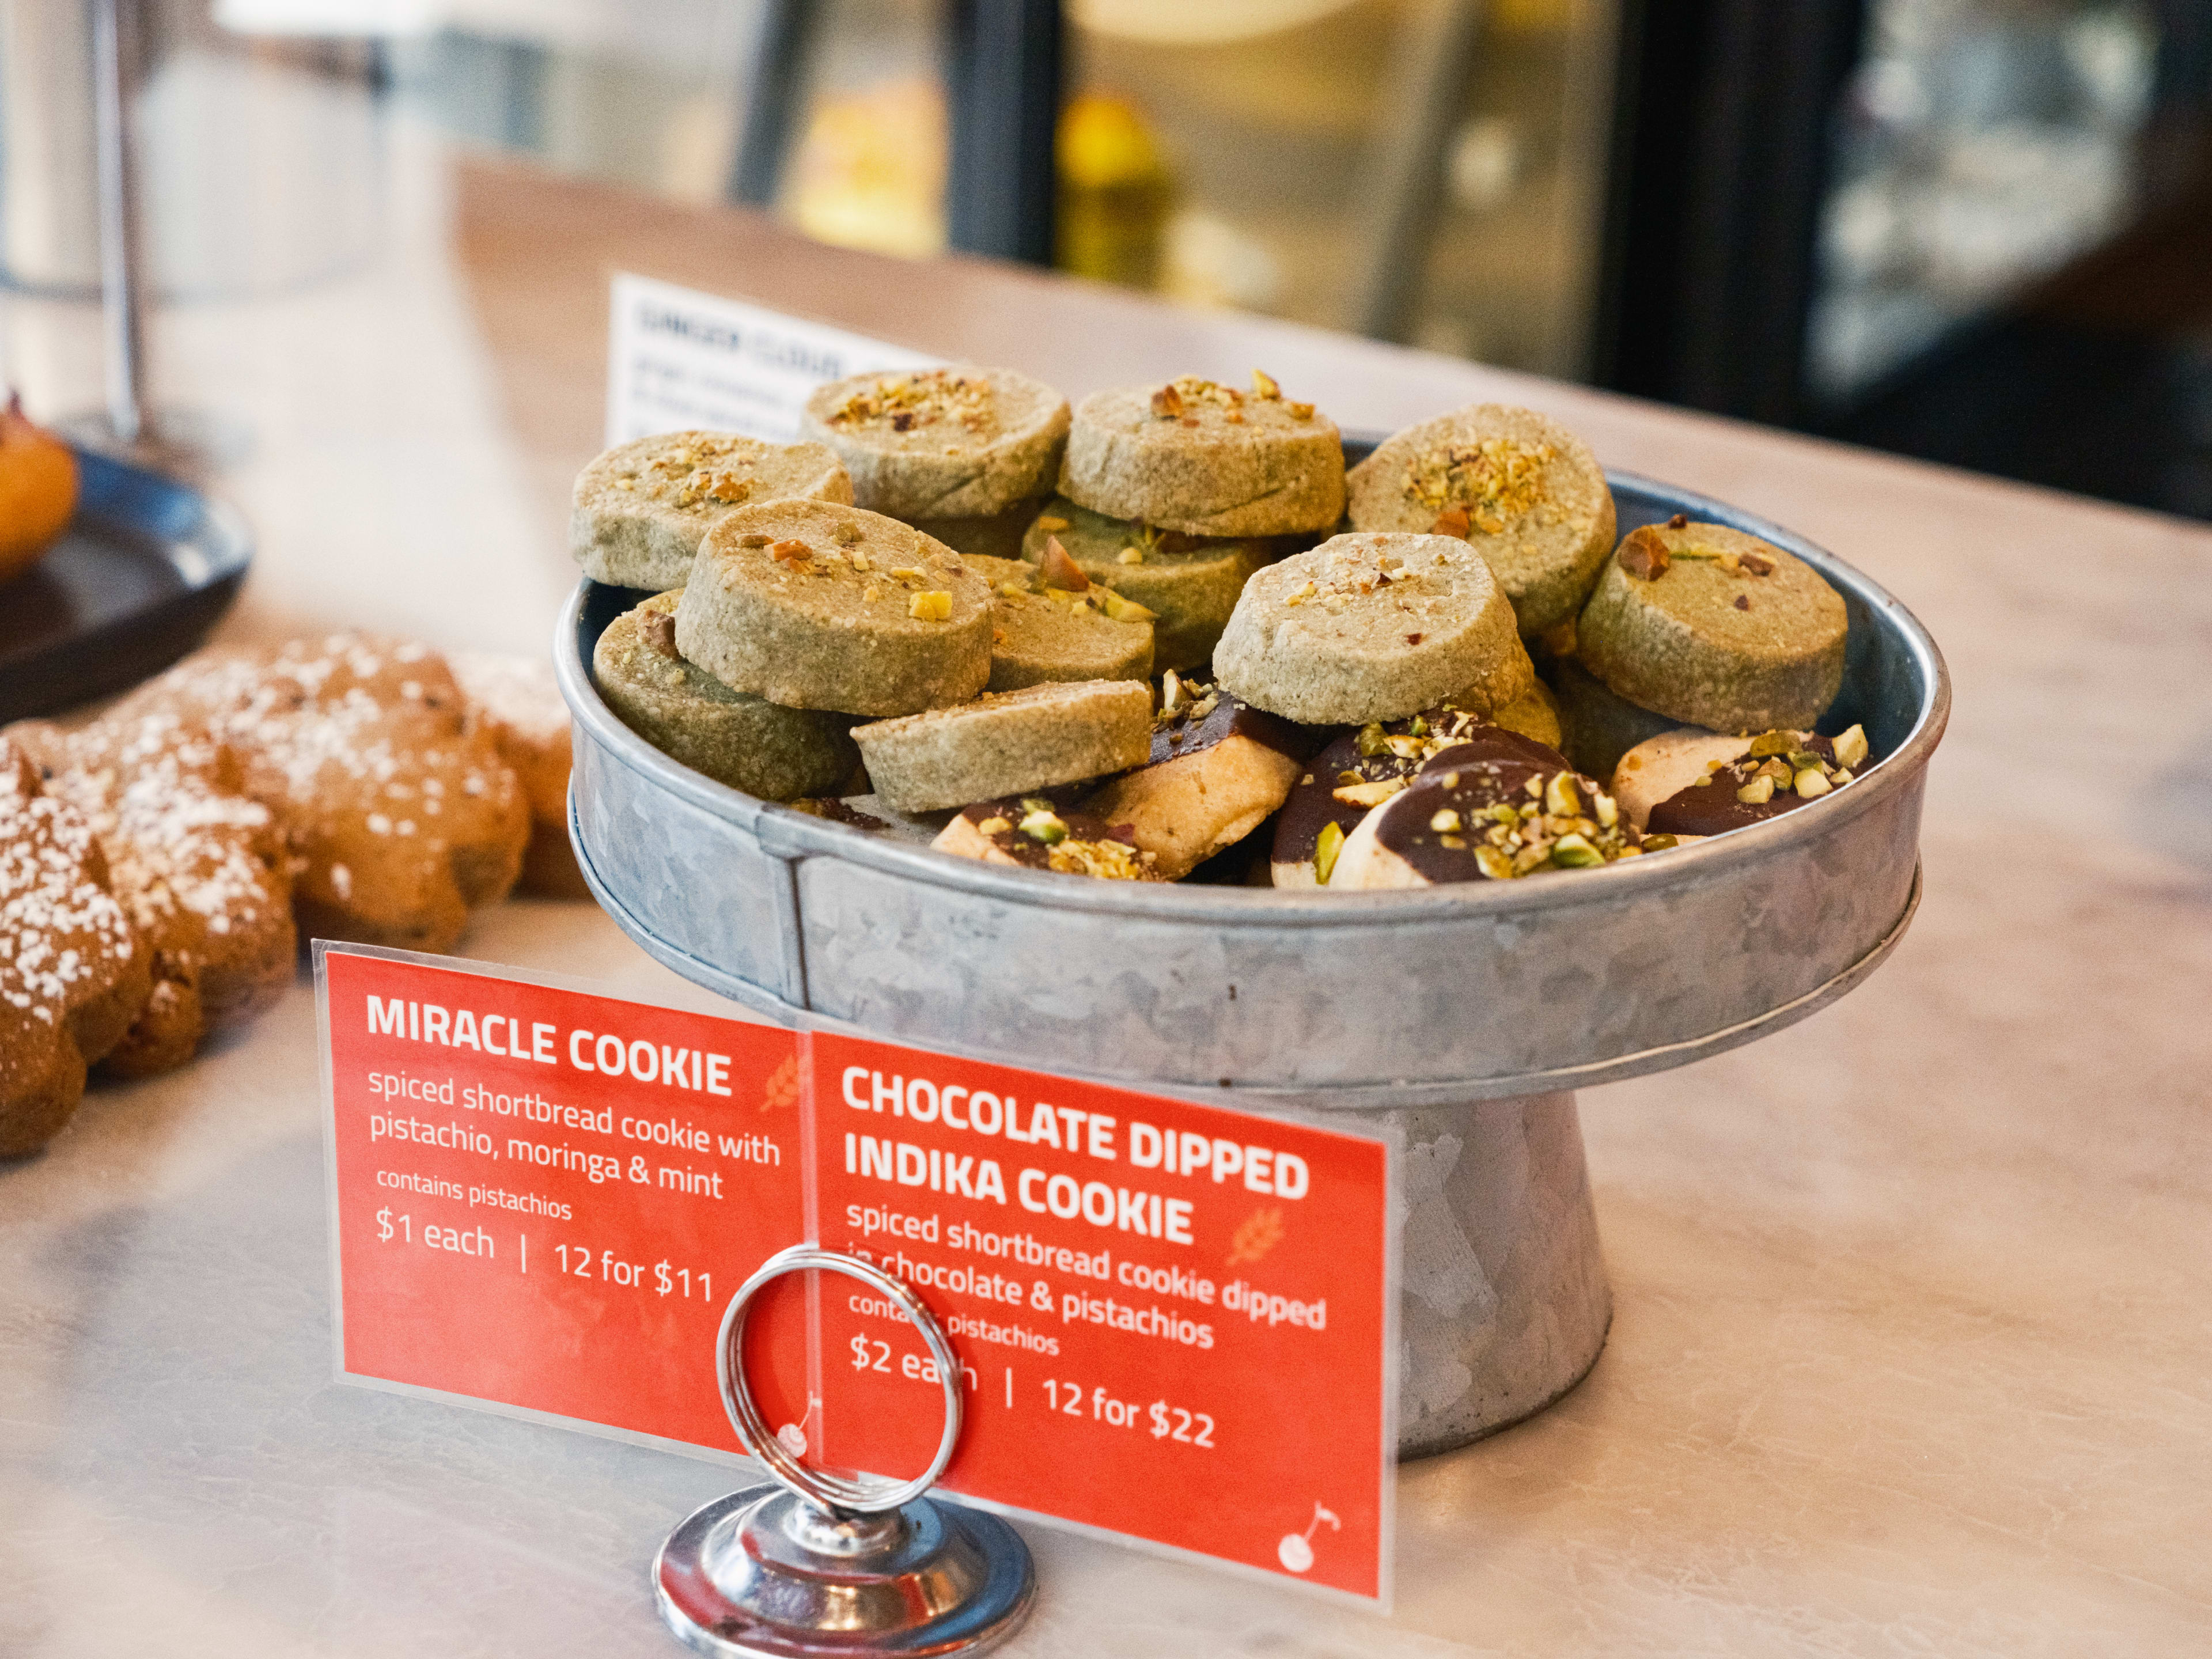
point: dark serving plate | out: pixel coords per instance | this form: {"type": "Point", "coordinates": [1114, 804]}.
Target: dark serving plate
{"type": "Point", "coordinates": [138, 578]}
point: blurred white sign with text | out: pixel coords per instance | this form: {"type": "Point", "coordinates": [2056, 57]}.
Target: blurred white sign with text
{"type": "Point", "coordinates": [678, 359]}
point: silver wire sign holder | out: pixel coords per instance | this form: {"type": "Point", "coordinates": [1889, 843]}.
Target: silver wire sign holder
{"type": "Point", "coordinates": [820, 1564]}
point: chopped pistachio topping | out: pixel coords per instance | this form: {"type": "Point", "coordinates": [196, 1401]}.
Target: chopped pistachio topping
{"type": "Point", "coordinates": [1330, 843]}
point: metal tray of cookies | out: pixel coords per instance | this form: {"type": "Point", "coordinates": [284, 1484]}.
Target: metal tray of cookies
{"type": "Point", "coordinates": [145, 569]}
{"type": "Point", "coordinates": [1307, 998]}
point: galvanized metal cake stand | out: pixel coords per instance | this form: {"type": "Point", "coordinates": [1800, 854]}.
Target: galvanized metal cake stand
{"type": "Point", "coordinates": [1467, 1015]}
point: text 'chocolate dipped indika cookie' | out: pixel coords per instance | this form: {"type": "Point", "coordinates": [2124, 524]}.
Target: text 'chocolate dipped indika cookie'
{"type": "Point", "coordinates": [1373, 627]}
{"type": "Point", "coordinates": [1360, 770]}
{"type": "Point", "coordinates": [941, 443]}
{"type": "Point", "coordinates": [1468, 818]}
{"type": "Point", "coordinates": [1711, 627]}
{"type": "Point", "coordinates": [1522, 490]}
{"type": "Point", "coordinates": [1691, 784]}
{"type": "Point", "coordinates": [815, 605]}
{"type": "Point", "coordinates": [732, 737]}
{"type": "Point", "coordinates": [1035, 833]}
{"type": "Point", "coordinates": [1218, 767]}
{"type": "Point", "coordinates": [1205, 458]}
{"type": "Point", "coordinates": [1008, 743]}
{"type": "Point", "coordinates": [641, 510]}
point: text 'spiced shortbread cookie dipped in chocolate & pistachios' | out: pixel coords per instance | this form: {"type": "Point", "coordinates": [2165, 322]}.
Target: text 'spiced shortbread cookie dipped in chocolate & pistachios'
{"type": "Point", "coordinates": [1374, 627]}
{"type": "Point", "coordinates": [1765, 776]}
{"type": "Point", "coordinates": [1008, 743]}
{"type": "Point", "coordinates": [1207, 460]}
{"type": "Point", "coordinates": [1524, 492]}
{"type": "Point", "coordinates": [732, 737]}
{"type": "Point", "coordinates": [926, 444]}
{"type": "Point", "coordinates": [1034, 832]}
{"type": "Point", "coordinates": [1468, 818]}
{"type": "Point", "coordinates": [641, 510]}
{"type": "Point", "coordinates": [201, 870]}
{"type": "Point", "coordinates": [1360, 770]}
{"type": "Point", "coordinates": [1714, 628]}
{"type": "Point", "coordinates": [817, 605]}
{"type": "Point", "coordinates": [1050, 622]}
{"type": "Point", "coordinates": [73, 974]}
{"type": "Point", "coordinates": [1218, 767]}
{"type": "Point", "coordinates": [1189, 583]}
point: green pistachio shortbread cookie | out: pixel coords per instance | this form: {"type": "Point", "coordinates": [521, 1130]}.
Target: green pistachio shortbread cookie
{"type": "Point", "coordinates": [641, 508]}
{"type": "Point", "coordinates": [1526, 493]}
{"type": "Point", "coordinates": [1007, 742]}
{"type": "Point", "coordinates": [1598, 725]}
{"type": "Point", "coordinates": [1715, 628]}
{"type": "Point", "coordinates": [1374, 628]}
{"type": "Point", "coordinates": [815, 605]}
{"type": "Point", "coordinates": [1189, 584]}
{"type": "Point", "coordinates": [1533, 714]}
{"type": "Point", "coordinates": [734, 738]}
{"type": "Point", "coordinates": [1041, 632]}
{"type": "Point", "coordinates": [997, 536]}
{"type": "Point", "coordinates": [1207, 460]}
{"type": "Point", "coordinates": [941, 443]}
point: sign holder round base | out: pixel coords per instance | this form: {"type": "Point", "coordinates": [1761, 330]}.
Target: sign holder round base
{"type": "Point", "coordinates": [820, 1565]}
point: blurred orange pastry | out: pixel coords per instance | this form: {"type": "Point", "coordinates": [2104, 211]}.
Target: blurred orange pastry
{"type": "Point", "coordinates": [38, 489]}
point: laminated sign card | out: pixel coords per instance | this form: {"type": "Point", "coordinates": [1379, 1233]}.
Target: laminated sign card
{"type": "Point", "coordinates": [1172, 1320]}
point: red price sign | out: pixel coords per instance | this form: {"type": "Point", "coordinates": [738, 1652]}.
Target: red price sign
{"type": "Point", "coordinates": [1171, 1319]}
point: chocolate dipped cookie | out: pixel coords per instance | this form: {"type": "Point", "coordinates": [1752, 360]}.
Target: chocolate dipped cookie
{"type": "Point", "coordinates": [1774, 773]}
{"type": "Point", "coordinates": [1207, 460]}
{"type": "Point", "coordinates": [1036, 834]}
{"type": "Point", "coordinates": [640, 510]}
{"type": "Point", "coordinates": [1471, 818]}
{"type": "Point", "coordinates": [1218, 767]}
{"type": "Point", "coordinates": [1521, 490]}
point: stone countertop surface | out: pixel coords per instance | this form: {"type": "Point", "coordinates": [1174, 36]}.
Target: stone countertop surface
{"type": "Point", "coordinates": [1912, 1348]}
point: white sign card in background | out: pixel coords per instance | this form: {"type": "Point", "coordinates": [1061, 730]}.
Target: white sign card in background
{"type": "Point", "coordinates": [678, 359]}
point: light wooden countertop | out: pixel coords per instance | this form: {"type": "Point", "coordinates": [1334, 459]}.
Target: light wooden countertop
{"type": "Point", "coordinates": [1913, 1300]}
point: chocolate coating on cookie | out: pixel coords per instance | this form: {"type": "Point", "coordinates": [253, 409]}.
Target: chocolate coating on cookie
{"type": "Point", "coordinates": [1794, 769]}
{"type": "Point", "coordinates": [1215, 717]}
{"type": "Point", "coordinates": [1498, 820]}
{"type": "Point", "coordinates": [1038, 834]}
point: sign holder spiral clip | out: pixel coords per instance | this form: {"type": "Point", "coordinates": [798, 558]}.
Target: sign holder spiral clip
{"type": "Point", "coordinates": [822, 1564]}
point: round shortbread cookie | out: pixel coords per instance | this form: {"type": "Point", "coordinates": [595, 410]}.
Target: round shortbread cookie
{"type": "Point", "coordinates": [1696, 788]}
{"type": "Point", "coordinates": [1207, 460]}
{"type": "Point", "coordinates": [1598, 725]}
{"type": "Point", "coordinates": [1041, 633]}
{"type": "Point", "coordinates": [1660, 768]}
{"type": "Point", "coordinates": [1714, 628]}
{"type": "Point", "coordinates": [941, 443]}
{"type": "Point", "coordinates": [1533, 714]}
{"type": "Point", "coordinates": [732, 737]}
{"type": "Point", "coordinates": [1522, 490]}
{"type": "Point", "coordinates": [1008, 743]}
{"type": "Point", "coordinates": [1373, 627]}
{"type": "Point", "coordinates": [640, 509]}
{"type": "Point", "coordinates": [815, 605]}
{"type": "Point", "coordinates": [1189, 584]}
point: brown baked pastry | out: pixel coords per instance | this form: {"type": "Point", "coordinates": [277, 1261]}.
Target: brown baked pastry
{"type": "Point", "coordinates": [517, 700]}
{"type": "Point", "coordinates": [72, 973]}
{"type": "Point", "coordinates": [402, 817]}
{"type": "Point", "coordinates": [201, 870]}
